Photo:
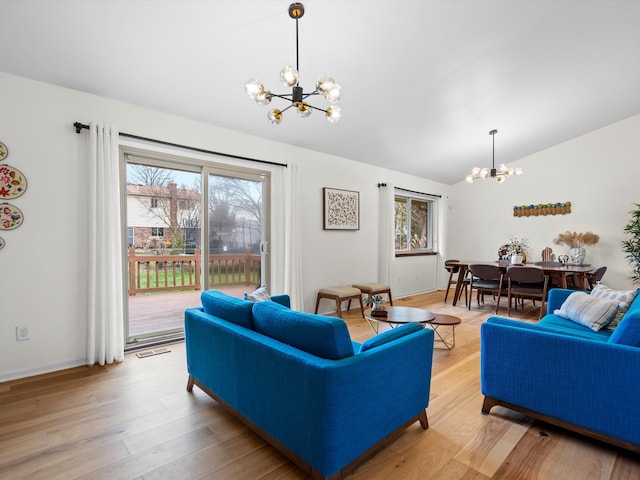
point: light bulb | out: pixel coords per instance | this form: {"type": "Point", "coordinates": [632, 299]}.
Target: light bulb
{"type": "Point", "coordinates": [500, 179]}
{"type": "Point", "coordinates": [253, 87]}
{"type": "Point", "coordinates": [334, 114]}
{"type": "Point", "coordinates": [333, 94]}
{"type": "Point", "coordinates": [470, 179]}
{"type": "Point", "coordinates": [303, 109]}
{"type": "Point", "coordinates": [325, 83]}
{"type": "Point", "coordinates": [289, 76]}
{"type": "Point", "coordinates": [263, 98]}
{"type": "Point", "coordinates": [274, 116]}
{"type": "Point", "coordinates": [476, 171]}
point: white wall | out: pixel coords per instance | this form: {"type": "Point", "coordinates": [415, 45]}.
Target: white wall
{"type": "Point", "coordinates": [44, 262]}
{"type": "Point", "coordinates": [597, 172]}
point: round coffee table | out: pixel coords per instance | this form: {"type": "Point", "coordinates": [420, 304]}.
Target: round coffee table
{"type": "Point", "coordinates": [443, 320]}
{"type": "Point", "coordinates": [399, 316]}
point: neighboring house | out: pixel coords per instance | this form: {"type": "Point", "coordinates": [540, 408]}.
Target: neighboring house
{"type": "Point", "coordinates": [162, 216]}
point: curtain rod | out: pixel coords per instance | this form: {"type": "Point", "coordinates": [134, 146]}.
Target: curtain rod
{"type": "Point", "coordinates": [411, 191]}
{"type": "Point", "coordinates": [80, 126]}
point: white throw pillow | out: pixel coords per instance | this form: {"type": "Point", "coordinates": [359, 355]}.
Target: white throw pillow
{"type": "Point", "coordinates": [623, 299]}
{"type": "Point", "coordinates": [258, 295]}
{"type": "Point", "coordinates": [587, 310]}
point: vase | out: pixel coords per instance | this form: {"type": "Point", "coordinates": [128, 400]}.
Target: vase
{"type": "Point", "coordinates": [516, 259]}
{"type": "Point", "coordinates": [577, 255]}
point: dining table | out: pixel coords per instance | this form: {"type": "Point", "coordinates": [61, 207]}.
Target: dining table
{"type": "Point", "coordinates": [556, 270]}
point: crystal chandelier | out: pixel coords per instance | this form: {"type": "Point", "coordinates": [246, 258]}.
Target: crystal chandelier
{"type": "Point", "coordinates": [500, 174]}
{"type": "Point", "coordinates": [325, 86]}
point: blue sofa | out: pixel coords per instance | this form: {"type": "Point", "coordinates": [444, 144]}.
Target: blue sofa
{"type": "Point", "coordinates": [299, 381]}
{"type": "Point", "coordinates": [565, 373]}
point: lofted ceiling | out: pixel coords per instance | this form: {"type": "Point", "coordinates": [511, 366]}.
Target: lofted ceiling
{"type": "Point", "coordinates": [423, 82]}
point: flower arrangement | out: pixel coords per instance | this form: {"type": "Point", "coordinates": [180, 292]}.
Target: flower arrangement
{"type": "Point", "coordinates": [374, 300]}
{"type": "Point", "coordinates": [518, 246]}
{"type": "Point", "coordinates": [576, 240]}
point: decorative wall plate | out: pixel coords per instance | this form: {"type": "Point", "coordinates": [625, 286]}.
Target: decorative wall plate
{"type": "Point", "coordinates": [12, 182]}
{"type": "Point", "coordinates": [10, 217]}
{"type": "Point", "coordinates": [4, 151]}
{"type": "Point", "coordinates": [1, 243]}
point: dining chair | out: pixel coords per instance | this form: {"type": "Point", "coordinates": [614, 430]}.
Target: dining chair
{"type": "Point", "coordinates": [594, 277]}
{"type": "Point", "coordinates": [485, 279]}
{"type": "Point", "coordinates": [453, 269]}
{"type": "Point", "coordinates": [526, 282]}
{"type": "Point", "coordinates": [547, 255]}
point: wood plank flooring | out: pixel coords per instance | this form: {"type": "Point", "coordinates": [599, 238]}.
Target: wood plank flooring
{"type": "Point", "coordinates": [136, 421]}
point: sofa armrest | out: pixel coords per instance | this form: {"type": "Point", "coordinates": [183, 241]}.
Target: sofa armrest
{"type": "Point", "coordinates": [556, 298]}
{"type": "Point", "coordinates": [282, 299]}
{"type": "Point", "coordinates": [588, 383]}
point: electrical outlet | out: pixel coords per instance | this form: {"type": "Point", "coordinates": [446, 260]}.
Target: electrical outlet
{"type": "Point", "coordinates": [22, 333]}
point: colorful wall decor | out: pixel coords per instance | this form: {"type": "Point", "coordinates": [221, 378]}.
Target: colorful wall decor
{"type": "Point", "coordinates": [13, 184]}
{"type": "Point", "coordinates": [563, 208]}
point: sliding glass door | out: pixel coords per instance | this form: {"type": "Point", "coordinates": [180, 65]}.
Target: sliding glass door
{"type": "Point", "coordinates": [189, 228]}
{"type": "Point", "coordinates": [236, 231]}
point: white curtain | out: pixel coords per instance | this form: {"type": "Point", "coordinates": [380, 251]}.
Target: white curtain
{"type": "Point", "coordinates": [105, 331]}
{"type": "Point", "coordinates": [293, 237]}
{"type": "Point", "coordinates": [387, 239]}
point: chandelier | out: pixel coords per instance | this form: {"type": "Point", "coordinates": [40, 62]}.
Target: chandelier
{"type": "Point", "coordinates": [325, 86]}
{"type": "Point", "coordinates": [500, 174]}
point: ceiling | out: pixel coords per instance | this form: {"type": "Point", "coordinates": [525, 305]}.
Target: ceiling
{"type": "Point", "coordinates": [423, 82]}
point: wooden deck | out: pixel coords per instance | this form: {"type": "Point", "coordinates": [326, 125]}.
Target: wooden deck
{"type": "Point", "coordinates": [165, 311]}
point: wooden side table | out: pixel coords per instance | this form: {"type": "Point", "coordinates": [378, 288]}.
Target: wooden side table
{"type": "Point", "coordinates": [442, 320]}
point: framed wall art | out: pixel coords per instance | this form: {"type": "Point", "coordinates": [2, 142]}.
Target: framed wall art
{"type": "Point", "coordinates": [341, 209]}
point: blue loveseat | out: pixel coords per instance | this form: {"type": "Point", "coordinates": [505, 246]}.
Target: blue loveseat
{"type": "Point", "coordinates": [565, 373]}
{"type": "Point", "coordinates": [299, 381]}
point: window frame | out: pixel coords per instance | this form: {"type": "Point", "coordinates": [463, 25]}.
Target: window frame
{"type": "Point", "coordinates": [431, 224]}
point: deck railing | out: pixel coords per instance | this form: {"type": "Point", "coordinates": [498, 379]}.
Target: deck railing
{"type": "Point", "coordinates": [164, 273]}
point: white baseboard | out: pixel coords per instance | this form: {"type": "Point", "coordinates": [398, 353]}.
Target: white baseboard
{"type": "Point", "coordinates": [31, 372]}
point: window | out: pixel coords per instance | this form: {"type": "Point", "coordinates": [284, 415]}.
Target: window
{"type": "Point", "coordinates": [157, 231]}
{"type": "Point", "coordinates": [154, 203]}
{"type": "Point", "coordinates": [414, 223]}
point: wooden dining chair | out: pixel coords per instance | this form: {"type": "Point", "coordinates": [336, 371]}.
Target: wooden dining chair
{"type": "Point", "coordinates": [485, 279]}
{"type": "Point", "coordinates": [526, 282]}
{"type": "Point", "coordinates": [453, 269]}
{"type": "Point", "coordinates": [594, 277]}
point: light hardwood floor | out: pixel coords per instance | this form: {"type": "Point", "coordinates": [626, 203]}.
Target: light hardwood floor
{"type": "Point", "coordinates": [136, 420]}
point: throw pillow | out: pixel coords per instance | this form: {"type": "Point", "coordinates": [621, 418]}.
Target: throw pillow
{"type": "Point", "coordinates": [258, 295]}
{"type": "Point", "coordinates": [623, 298]}
{"type": "Point", "coordinates": [585, 309]}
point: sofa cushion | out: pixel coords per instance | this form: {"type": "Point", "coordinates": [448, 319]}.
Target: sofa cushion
{"type": "Point", "coordinates": [390, 336]}
{"type": "Point", "coordinates": [628, 331]}
{"type": "Point", "coordinates": [325, 337]}
{"type": "Point", "coordinates": [258, 295]}
{"type": "Point", "coordinates": [623, 298]}
{"type": "Point", "coordinates": [228, 308]}
{"type": "Point", "coordinates": [593, 312]}
{"type": "Point", "coordinates": [557, 324]}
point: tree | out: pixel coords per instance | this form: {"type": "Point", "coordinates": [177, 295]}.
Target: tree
{"type": "Point", "coordinates": [150, 176]}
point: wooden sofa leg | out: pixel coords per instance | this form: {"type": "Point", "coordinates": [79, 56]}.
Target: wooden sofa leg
{"type": "Point", "coordinates": [190, 383]}
{"type": "Point", "coordinates": [424, 421]}
{"type": "Point", "coordinates": [488, 404]}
